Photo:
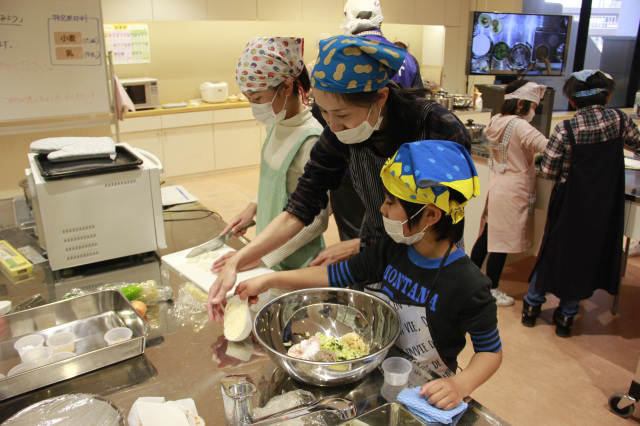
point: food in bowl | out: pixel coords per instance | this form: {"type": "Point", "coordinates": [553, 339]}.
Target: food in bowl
{"type": "Point", "coordinates": [324, 348]}
{"type": "Point", "coordinates": [330, 311]}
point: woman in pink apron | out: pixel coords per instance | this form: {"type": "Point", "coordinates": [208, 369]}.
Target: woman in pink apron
{"type": "Point", "coordinates": [439, 294]}
{"type": "Point", "coordinates": [508, 221]}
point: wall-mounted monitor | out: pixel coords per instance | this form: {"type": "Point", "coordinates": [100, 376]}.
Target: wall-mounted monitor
{"type": "Point", "coordinates": [518, 44]}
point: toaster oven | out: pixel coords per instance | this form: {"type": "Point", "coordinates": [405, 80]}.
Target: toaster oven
{"type": "Point", "coordinates": [99, 213]}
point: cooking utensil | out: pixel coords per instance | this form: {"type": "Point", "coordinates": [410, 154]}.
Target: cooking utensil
{"type": "Point", "coordinates": [462, 101]}
{"type": "Point", "coordinates": [216, 243]}
{"type": "Point", "coordinates": [542, 55]}
{"type": "Point", "coordinates": [520, 56]}
{"type": "Point", "coordinates": [332, 312]}
{"type": "Point", "coordinates": [475, 130]}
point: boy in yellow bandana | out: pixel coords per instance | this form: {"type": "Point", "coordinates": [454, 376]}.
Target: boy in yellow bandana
{"type": "Point", "coordinates": [431, 282]}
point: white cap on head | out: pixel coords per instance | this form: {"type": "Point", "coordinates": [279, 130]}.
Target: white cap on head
{"type": "Point", "coordinates": [529, 92]}
{"type": "Point", "coordinates": [353, 24]}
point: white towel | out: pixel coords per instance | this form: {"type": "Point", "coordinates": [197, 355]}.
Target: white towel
{"type": "Point", "coordinates": [75, 148]}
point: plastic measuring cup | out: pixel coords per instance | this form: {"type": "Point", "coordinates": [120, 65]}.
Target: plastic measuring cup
{"type": "Point", "coordinates": [118, 334]}
{"type": "Point", "coordinates": [62, 342]}
{"type": "Point", "coordinates": [396, 370]}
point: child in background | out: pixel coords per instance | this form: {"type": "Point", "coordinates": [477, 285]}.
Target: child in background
{"type": "Point", "coordinates": [581, 248]}
{"type": "Point", "coordinates": [508, 221]}
{"type": "Point", "coordinates": [418, 268]}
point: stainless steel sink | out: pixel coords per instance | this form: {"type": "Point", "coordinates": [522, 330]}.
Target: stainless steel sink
{"type": "Point", "coordinates": [386, 415]}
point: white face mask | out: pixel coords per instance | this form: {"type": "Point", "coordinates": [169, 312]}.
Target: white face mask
{"type": "Point", "coordinates": [395, 231]}
{"type": "Point", "coordinates": [361, 132]}
{"type": "Point", "coordinates": [264, 114]}
{"type": "Point", "coordinates": [530, 115]}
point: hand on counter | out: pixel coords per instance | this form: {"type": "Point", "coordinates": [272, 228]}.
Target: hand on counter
{"type": "Point", "coordinates": [442, 393]}
{"type": "Point", "coordinates": [337, 253]}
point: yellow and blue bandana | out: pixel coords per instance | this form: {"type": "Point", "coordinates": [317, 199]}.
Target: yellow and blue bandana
{"type": "Point", "coordinates": [421, 172]}
{"type": "Point", "coordinates": [348, 64]}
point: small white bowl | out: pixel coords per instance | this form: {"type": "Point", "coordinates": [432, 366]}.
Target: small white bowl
{"type": "Point", "coordinates": [117, 335]}
{"type": "Point", "coordinates": [62, 356]}
{"type": "Point", "coordinates": [26, 343]}
{"type": "Point", "coordinates": [62, 342]}
{"type": "Point", "coordinates": [38, 356]}
{"type": "Point", "coordinates": [21, 368]}
{"type": "Point", "coordinates": [396, 371]}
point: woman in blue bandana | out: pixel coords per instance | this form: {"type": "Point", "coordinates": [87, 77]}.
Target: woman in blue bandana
{"type": "Point", "coordinates": [368, 119]}
{"type": "Point", "coordinates": [581, 249]}
{"type": "Point", "coordinates": [418, 267]}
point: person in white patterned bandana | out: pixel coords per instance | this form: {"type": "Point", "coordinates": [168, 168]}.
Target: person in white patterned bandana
{"type": "Point", "coordinates": [581, 249]}
{"type": "Point", "coordinates": [272, 75]}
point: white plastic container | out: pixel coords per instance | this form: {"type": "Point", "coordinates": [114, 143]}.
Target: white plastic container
{"type": "Point", "coordinates": [21, 368]}
{"type": "Point", "coordinates": [62, 342]}
{"type": "Point", "coordinates": [116, 335]}
{"type": "Point", "coordinates": [396, 371]}
{"type": "Point", "coordinates": [214, 92]}
{"type": "Point", "coordinates": [26, 343]}
{"type": "Point", "coordinates": [38, 356]}
{"type": "Point", "coordinates": [478, 103]}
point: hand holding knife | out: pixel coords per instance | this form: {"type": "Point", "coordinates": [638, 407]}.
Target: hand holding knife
{"type": "Point", "coordinates": [215, 243]}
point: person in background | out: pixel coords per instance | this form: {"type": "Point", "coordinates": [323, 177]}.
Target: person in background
{"type": "Point", "coordinates": [364, 18]}
{"type": "Point", "coordinates": [508, 218]}
{"type": "Point", "coordinates": [419, 270]}
{"type": "Point", "coordinates": [273, 77]}
{"type": "Point", "coordinates": [368, 118]}
{"type": "Point", "coordinates": [581, 248]}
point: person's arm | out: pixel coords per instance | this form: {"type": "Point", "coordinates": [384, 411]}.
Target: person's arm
{"type": "Point", "coordinates": [448, 393]}
{"type": "Point", "coordinates": [297, 279]}
{"type": "Point", "coordinates": [324, 171]}
{"type": "Point", "coordinates": [530, 137]}
{"type": "Point", "coordinates": [554, 154]}
{"type": "Point", "coordinates": [282, 228]}
{"type": "Point", "coordinates": [632, 135]}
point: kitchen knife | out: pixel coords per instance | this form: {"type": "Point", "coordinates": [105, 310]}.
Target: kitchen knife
{"type": "Point", "coordinates": [216, 243]}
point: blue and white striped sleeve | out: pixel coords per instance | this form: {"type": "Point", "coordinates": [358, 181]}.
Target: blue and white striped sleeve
{"type": "Point", "coordinates": [488, 341]}
{"type": "Point", "coordinates": [340, 275]}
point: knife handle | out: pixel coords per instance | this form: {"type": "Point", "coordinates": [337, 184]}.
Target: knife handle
{"type": "Point", "coordinates": [248, 225]}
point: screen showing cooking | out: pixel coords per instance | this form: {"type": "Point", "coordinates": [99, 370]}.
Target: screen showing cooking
{"type": "Point", "coordinates": [509, 43]}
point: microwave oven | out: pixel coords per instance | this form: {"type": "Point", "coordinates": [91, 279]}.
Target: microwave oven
{"type": "Point", "coordinates": [142, 91]}
{"type": "Point", "coordinates": [96, 217]}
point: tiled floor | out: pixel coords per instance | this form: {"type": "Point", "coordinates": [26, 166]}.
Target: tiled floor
{"type": "Point", "coordinates": [544, 379]}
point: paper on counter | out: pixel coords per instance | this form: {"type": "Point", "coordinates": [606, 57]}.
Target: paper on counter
{"type": "Point", "coordinates": [197, 269]}
{"type": "Point", "coordinates": [175, 194]}
{"type": "Point", "coordinates": [154, 411]}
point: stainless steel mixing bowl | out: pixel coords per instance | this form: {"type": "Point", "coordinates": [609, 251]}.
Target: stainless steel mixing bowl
{"type": "Point", "coordinates": [333, 312]}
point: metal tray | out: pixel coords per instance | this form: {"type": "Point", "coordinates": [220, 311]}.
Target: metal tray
{"type": "Point", "coordinates": [89, 318]}
{"type": "Point", "coordinates": [125, 160]}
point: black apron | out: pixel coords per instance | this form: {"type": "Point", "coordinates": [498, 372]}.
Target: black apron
{"type": "Point", "coordinates": [581, 248]}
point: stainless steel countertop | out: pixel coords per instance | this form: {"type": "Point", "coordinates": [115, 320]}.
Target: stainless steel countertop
{"type": "Point", "coordinates": [181, 360]}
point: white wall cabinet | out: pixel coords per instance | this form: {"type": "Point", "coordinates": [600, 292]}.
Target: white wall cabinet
{"type": "Point", "coordinates": [188, 150]}
{"type": "Point", "coordinates": [197, 142]}
{"type": "Point", "coordinates": [237, 144]}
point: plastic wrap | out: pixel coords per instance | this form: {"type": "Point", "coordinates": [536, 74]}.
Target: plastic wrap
{"type": "Point", "coordinates": [69, 410]}
{"type": "Point", "coordinates": [191, 306]}
{"type": "Point", "coordinates": [284, 402]}
{"type": "Point", "coordinates": [147, 291]}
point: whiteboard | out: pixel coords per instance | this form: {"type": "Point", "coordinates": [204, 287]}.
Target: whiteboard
{"type": "Point", "coordinates": [52, 61]}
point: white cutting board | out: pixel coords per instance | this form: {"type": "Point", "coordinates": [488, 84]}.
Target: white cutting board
{"type": "Point", "coordinates": [197, 270]}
